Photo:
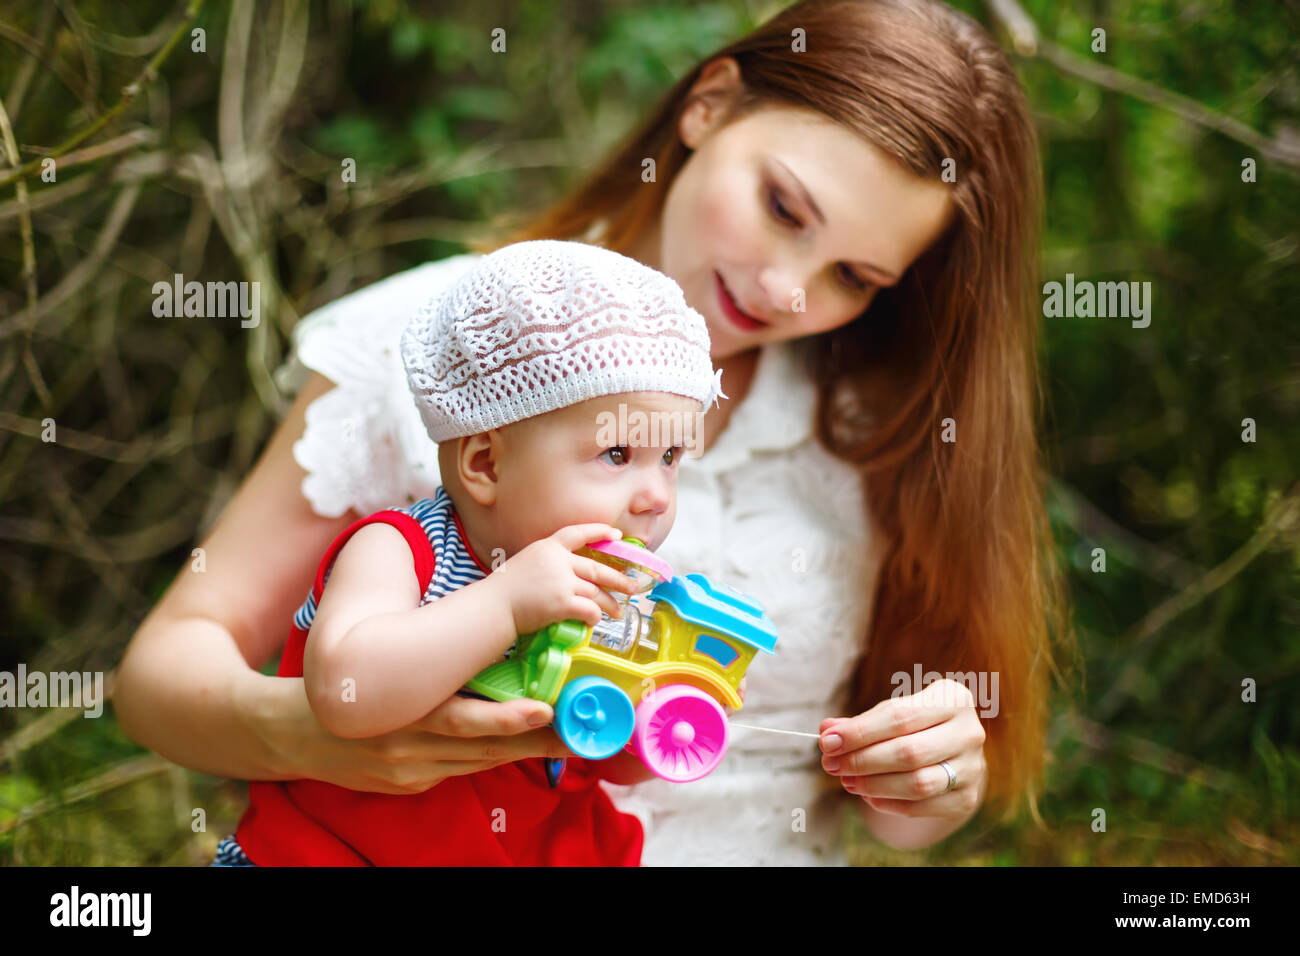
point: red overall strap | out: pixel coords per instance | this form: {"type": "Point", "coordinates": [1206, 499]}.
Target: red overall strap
{"type": "Point", "coordinates": [421, 549]}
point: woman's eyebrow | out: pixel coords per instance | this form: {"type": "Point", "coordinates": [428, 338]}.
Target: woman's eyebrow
{"type": "Point", "coordinates": [888, 276]}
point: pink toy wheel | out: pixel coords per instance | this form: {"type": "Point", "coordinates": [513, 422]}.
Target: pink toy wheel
{"type": "Point", "coordinates": [681, 733]}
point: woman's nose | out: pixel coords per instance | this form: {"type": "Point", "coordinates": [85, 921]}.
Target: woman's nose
{"type": "Point", "coordinates": [778, 283]}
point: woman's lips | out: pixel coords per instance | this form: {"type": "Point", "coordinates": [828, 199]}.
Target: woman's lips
{"type": "Point", "coordinates": [731, 310]}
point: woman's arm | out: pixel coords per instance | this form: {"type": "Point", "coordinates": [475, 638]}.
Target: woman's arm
{"type": "Point", "coordinates": [188, 686]}
{"type": "Point", "coordinates": [377, 660]}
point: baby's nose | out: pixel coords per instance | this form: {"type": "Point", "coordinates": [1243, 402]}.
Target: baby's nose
{"type": "Point", "coordinates": [654, 495]}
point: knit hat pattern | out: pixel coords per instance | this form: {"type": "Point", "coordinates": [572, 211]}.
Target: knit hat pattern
{"type": "Point", "coordinates": [544, 324]}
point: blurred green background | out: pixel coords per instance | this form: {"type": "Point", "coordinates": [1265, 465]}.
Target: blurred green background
{"type": "Point", "coordinates": [226, 166]}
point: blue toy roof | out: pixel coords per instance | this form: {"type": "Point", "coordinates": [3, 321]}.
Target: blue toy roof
{"type": "Point", "coordinates": [718, 607]}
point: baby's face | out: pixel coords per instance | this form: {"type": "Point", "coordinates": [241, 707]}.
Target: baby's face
{"type": "Point", "coordinates": [612, 459]}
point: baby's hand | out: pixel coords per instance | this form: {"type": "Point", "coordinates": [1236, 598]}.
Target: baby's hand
{"type": "Point", "coordinates": [740, 689]}
{"type": "Point", "coordinates": [546, 582]}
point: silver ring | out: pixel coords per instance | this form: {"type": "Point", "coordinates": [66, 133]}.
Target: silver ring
{"type": "Point", "coordinates": [952, 777]}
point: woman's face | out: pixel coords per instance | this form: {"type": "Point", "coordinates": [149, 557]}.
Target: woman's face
{"type": "Point", "coordinates": [788, 216]}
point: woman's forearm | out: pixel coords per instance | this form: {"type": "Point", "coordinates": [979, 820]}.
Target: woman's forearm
{"type": "Point", "coordinates": [188, 686]}
{"type": "Point", "coordinates": [391, 669]}
{"type": "Point", "coordinates": [908, 833]}
{"type": "Point", "coordinates": [184, 691]}
{"type": "Point", "coordinates": [912, 833]}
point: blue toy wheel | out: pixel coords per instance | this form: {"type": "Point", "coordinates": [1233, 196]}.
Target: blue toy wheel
{"type": "Point", "coordinates": [594, 717]}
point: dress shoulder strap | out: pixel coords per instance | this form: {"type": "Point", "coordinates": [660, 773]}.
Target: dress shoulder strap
{"type": "Point", "coordinates": [421, 546]}
{"type": "Point", "coordinates": [421, 551]}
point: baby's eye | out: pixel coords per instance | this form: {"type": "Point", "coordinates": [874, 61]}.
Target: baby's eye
{"type": "Point", "coordinates": [672, 455]}
{"type": "Point", "coordinates": [618, 455]}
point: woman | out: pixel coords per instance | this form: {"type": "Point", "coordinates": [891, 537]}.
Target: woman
{"type": "Point", "coordinates": [850, 197]}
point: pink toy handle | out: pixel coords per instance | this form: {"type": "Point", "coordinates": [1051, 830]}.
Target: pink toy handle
{"type": "Point", "coordinates": [637, 555]}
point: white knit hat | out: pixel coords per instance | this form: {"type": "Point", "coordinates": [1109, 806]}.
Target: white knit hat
{"type": "Point", "coordinates": [541, 325]}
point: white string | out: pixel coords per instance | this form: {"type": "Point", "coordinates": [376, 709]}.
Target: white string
{"type": "Point", "coordinates": [773, 730]}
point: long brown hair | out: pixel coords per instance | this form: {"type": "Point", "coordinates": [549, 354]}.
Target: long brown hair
{"type": "Point", "coordinates": [968, 581]}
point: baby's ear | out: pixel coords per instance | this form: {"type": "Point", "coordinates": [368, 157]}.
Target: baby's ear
{"type": "Point", "coordinates": [477, 457]}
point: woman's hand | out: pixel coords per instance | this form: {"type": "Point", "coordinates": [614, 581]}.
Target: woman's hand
{"type": "Point", "coordinates": [890, 755]}
{"type": "Point", "coordinates": [462, 735]}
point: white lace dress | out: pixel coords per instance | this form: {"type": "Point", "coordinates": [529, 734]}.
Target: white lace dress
{"type": "Point", "coordinates": [766, 510]}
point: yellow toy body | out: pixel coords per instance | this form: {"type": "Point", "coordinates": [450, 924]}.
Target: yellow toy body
{"type": "Point", "coordinates": [655, 680]}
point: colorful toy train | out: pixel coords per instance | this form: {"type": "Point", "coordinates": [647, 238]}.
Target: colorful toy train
{"type": "Point", "coordinates": [654, 681]}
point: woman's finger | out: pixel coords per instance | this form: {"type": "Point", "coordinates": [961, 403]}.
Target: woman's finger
{"type": "Point", "coordinates": [899, 754]}
{"type": "Point", "coordinates": [469, 717]}
{"type": "Point", "coordinates": [913, 785]}
{"type": "Point", "coordinates": [896, 717]}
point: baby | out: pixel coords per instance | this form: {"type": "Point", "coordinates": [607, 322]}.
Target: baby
{"type": "Point", "coordinates": [525, 371]}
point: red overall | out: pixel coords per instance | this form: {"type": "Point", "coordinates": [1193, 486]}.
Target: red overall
{"type": "Point", "coordinates": [504, 816]}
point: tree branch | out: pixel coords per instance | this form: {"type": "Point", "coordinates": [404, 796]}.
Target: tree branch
{"type": "Point", "coordinates": [1282, 517]}
{"type": "Point", "coordinates": [129, 93]}
{"type": "Point", "coordinates": [1028, 42]}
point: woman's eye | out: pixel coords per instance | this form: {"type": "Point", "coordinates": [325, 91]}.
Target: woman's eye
{"type": "Point", "coordinates": [852, 281]}
{"type": "Point", "coordinates": [778, 209]}
{"type": "Point", "coordinates": [616, 455]}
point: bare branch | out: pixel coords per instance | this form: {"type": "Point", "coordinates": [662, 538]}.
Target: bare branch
{"type": "Point", "coordinates": [1091, 522]}
{"type": "Point", "coordinates": [136, 137]}
{"type": "Point", "coordinates": [209, 424]}
{"type": "Point", "coordinates": [82, 33]}
{"type": "Point", "coordinates": [1028, 42]}
{"type": "Point", "coordinates": [40, 55]}
{"type": "Point", "coordinates": [88, 268]}
{"type": "Point", "coordinates": [29, 262]}
{"type": "Point", "coordinates": [1097, 737]}
{"type": "Point", "coordinates": [18, 90]}
{"type": "Point", "coordinates": [1282, 518]}
{"type": "Point", "coordinates": [46, 724]}
{"type": "Point", "coordinates": [129, 93]}
{"type": "Point", "coordinates": [128, 771]}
